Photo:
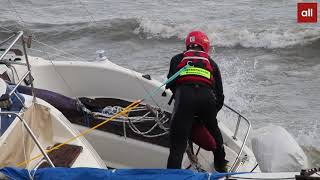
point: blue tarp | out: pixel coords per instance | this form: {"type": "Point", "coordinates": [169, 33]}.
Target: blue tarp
{"type": "Point", "coordinates": [116, 174]}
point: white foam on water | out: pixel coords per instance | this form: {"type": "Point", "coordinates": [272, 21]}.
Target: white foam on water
{"type": "Point", "coordinates": [230, 36]}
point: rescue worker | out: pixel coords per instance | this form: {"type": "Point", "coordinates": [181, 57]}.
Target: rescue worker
{"type": "Point", "coordinates": [197, 92]}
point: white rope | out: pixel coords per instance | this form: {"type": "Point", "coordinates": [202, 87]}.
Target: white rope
{"type": "Point", "coordinates": [136, 119]}
{"type": "Point", "coordinates": [136, 130]}
{"type": "Point", "coordinates": [159, 121]}
{"type": "Point", "coordinates": [142, 133]}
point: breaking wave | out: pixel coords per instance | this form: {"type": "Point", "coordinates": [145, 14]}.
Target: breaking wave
{"type": "Point", "coordinates": [230, 37]}
{"type": "Point", "coordinates": [119, 29]}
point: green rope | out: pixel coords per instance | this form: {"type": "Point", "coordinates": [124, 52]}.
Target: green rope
{"type": "Point", "coordinates": [149, 95]}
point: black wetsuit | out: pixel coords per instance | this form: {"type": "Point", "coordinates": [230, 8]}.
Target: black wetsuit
{"type": "Point", "coordinates": [194, 99]}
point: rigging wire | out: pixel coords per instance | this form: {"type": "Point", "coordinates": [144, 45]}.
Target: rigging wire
{"type": "Point", "coordinates": [44, 44]}
{"type": "Point", "coordinates": [92, 20]}
{"type": "Point", "coordinates": [4, 28]}
{"type": "Point", "coordinates": [19, 18]}
{"type": "Point", "coordinates": [22, 23]}
{"type": "Point", "coordinates": [52, 54]}
{"type": "Point", "coordinates": [49, 59]}
{"type": "Point", "coordinates": [56, 49]}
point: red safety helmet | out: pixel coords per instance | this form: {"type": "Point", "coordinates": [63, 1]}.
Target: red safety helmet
{"type": "Point", "coordinates": [200, 38]}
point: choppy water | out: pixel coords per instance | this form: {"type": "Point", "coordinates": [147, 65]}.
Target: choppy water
{"type": "Point", "coordinates": [270, 64]}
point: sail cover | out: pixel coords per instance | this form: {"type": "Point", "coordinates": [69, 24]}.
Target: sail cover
{"type": "Point", "coordinates": [11, 143]}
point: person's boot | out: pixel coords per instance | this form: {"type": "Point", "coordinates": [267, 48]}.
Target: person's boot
{"type": "Point", "coordinates": [220, 163]}
{"type": "Point", "coordinates": [221, 167]}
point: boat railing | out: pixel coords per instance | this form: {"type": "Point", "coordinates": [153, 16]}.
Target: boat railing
{"type": "Point", "coordinates": [236, 163]}
{"type": "Point", "coordinates": [15, 38]}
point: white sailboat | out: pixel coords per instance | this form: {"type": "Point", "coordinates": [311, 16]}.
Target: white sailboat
{"type": "Point", "coordinates": [123, 144]}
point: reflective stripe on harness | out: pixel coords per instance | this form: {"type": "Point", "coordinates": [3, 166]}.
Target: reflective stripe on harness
{"type": "Point", "coordinates": [196, 71]}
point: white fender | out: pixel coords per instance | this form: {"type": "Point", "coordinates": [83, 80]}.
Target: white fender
{"type": "Point", "coordinates": [277, 151]}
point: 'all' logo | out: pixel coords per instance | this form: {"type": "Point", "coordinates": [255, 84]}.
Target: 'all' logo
{"type": "Point", "coordinates": [307, 12]}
